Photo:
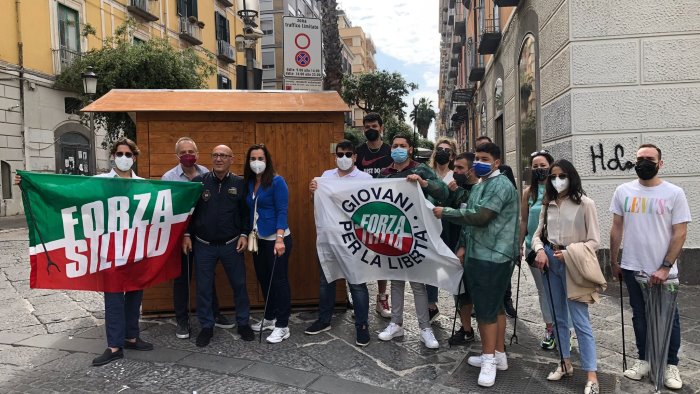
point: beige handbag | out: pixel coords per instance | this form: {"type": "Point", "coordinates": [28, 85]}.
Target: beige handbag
{"type": "Point", "coordinates": [253, 236]}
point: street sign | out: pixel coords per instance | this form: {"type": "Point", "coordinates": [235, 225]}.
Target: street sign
{"type": "Point", "coordinates": [303, 54]}
{"type": "Point", "coordinates": [310, 84]}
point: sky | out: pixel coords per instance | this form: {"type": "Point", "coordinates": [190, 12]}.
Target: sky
{"type": "Point", "coordinates": [407, 39]}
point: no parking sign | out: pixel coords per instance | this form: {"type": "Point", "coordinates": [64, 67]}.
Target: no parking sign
{"type": "Point", "coordinates": [303, 55]}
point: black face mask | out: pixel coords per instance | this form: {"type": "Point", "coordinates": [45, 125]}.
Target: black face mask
{"type": "Point", "coordinates": [460, 179]}
{"type": "Point", "coordinates": [442, 157]}
{"type": "Point", "coordinates": [372, 134]}
{"type": "Point", "coordinates": [646, 169]}
{"type": "Point", "coordinates": [540, 174]}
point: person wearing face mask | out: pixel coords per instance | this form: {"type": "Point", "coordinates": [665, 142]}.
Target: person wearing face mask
{"type": "Point", "coordinates": [122, 310]}
{"type": "Point", "coordinates": [346, 169]}
{"type": "Point", "coordinates": [489, 245]}
{"type": "Point", "coordinates": [187, 155]}
{"type": "Point", "coordinates": [372, 156]}
{"type": "Point", "coordinates": [567, 230]}
{"type": "Point", "coordinates": [652, 216]}
{"type": "Point", "coordinates": [218, 232]}
{"type": "Point", "coordinates": [404, 167]}
{"type": "Point", "coordinates": [268, 201]}
{"type": "Point", "coordinates": [508, 172]}
{"type": "Point", "coordinates": [530, 208]}
{"type": "Point", "coordinates": [442, 162]}
{"type": "Point", "coordinates": [460, 188]}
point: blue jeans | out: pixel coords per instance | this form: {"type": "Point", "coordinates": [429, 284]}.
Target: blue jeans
{"type": "Point", "coordinates": [556, 278]}
{"type": "Point", "coordinates": [122, 312]}
{"type": "Point", "coordinates": [639, 320]}
{"type": "Point", "coordinates": [181, 291]}
{"type": "Point", "coordinates": [234, 266]}
{"type": "Point", "coordinates": [279, 301]}
{"type": "Point", "coordinates": [360, 302]}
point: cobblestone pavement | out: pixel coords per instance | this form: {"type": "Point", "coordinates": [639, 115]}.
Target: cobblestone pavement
{"type": "Point", "coordinates": [48, 338]}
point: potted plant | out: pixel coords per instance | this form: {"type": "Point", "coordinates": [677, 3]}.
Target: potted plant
{"type": "Point", "coordinates": [192, 19]}
{"type": "Point", "coordinates": [200, 24]}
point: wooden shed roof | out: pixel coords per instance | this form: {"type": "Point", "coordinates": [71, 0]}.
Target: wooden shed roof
{"type": "Point", "coordinates": [143, 100]}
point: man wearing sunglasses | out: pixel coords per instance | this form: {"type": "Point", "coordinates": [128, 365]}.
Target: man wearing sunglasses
{"type": "Point", "coordinates": [652, 217]}
{"type": "Point", "coordinates": [218, 231]}
{"type": "Point", "coordinates": [346, 169]}
{"type": "Point", "coordinates": [187, 168]}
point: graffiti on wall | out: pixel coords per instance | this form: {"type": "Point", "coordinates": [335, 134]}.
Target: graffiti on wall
{"type": "Point", "coordinates": [616, 162]}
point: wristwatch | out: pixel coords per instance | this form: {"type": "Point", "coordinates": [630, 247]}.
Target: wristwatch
{"type": "Point", "coordinates": [667, 264]}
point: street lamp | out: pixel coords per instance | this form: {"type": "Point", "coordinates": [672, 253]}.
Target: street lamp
{"type": "Point", "coordinates": [90, 88]}
{"type": "Point", "coordinates": [248, 10]}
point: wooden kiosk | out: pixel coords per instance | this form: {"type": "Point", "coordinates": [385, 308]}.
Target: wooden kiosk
{"type": "Point", "coordinates": [299, 129]}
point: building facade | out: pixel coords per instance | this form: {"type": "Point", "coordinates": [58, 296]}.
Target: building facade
{"type": "Point", "coordinates": [363, 50]}
{"type": "Point", "coordinates": [40, 128]}
{"type": "Point", "coordinates": [588, 81]}
{"type": "Point", "coordinates": [272, 13]}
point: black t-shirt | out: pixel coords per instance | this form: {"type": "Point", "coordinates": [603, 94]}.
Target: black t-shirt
{"type": "Point", "coordinates": [372, 162]}
{"type": "Point", "coordinates": [508, 172]}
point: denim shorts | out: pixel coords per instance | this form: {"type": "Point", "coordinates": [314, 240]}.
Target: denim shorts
{"type": "Point", "coordinates": [487, 283]}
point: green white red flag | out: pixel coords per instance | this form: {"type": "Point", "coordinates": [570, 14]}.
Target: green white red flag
{"type": "Point", "coordinates": [104, 234]}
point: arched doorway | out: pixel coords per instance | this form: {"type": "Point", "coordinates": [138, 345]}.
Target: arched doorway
{"type": "Point", "coordinates": [74, 150]}
{"type": "Point", "coordinates": [527, 80]}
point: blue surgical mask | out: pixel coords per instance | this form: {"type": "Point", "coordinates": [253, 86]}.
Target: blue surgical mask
{"type": "Point", "coordinates": [482, 169]}
{"type": "Point", "coordinates": [399, 155]}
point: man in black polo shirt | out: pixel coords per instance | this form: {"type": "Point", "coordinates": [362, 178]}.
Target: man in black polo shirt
{"type": "Point", "coordinates": [218, 230]}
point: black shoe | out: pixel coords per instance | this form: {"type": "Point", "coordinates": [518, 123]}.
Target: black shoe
{"type": "Point", "coordinates": [222, 322]}
{"type": "Point", "coordinates": [508, 307]}
{"type": "Point", "coordinates": [140, 344]}
{"type": "Point", "coordinates": [362, 336]}
{"type": "Point", "coordinates": [348, 305]}
{"type": "Point", "coordinates": [107, 357]}
{"type": "Point", "coordinates": [317, 327]}
{"type": "Point", "coordinates": [204, 337]}
{"type": "Point", "coordinates": [246, 333]}
{"type": "Point", "coordinates": [434, 313]}
{"type": "Point", "coordinates": [183, 329]}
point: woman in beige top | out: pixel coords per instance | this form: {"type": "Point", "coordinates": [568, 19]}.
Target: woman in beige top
{"type": "Point", "coordinates": [571, 218]}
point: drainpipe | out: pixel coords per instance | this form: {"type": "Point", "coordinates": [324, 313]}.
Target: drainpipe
{"type": "Point", "coordinates": [20, 50]}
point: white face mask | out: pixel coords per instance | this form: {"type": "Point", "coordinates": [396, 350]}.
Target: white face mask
{"type": "Point", "coordinates": [257, 166]}
{"type": "Point", "coordinates": [560, 185]}
{"type": "Point", "coordinates": [124, 163]}
{"type": "Point", "coordinates": [344, 163]}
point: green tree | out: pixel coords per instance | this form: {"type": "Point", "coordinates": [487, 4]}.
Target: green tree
{"type": "Point", "coordinates": [379, 91]}
{"type": "Point", "coordinates": [120, 64]}
{"type": "Point", "coordinates": [332, 47]}
{"type": "Point", "coordinates": [422, 115]}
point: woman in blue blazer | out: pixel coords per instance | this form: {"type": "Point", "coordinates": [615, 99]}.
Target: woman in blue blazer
{"type": "Point", "coordinates": [268, 200]}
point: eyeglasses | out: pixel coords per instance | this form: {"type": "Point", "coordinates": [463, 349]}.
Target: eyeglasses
{"type": "Point", "coordinates": [220, 156]}
{"type": "Point", "coordinates": [560, 176]}
{"type": "Point", "coordinates": [441, 149]}
{"type": "Point", "coordinates": [542, 152]}
{"type": "Point", "coordinates": [346, 154]}
{"type": "Point", "coordinates": [120, 154]}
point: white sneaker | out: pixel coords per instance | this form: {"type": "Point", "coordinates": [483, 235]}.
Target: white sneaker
{"type": "Point", "coordinates": [278, 335]}
{"type": "Point", "coordinates": [267, 325]}
{"type": "Point", "coordinates": [672, 378]}
{"type": "Point", "coordinates": [501, 361]}
{"type": "Point", "coordinates": [487, 376]}
{"type": "Point", "coordinates": [428, 338]}
{"type": "Point", "coordinates": [383, 308]}
{"type": "Point", "coordinates": [393, 330]}
{"type": "Point", "coordinates": [639, 370]}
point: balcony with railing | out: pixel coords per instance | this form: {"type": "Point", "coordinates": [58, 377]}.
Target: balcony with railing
{"type": "Point", "coordinates": [507, 3]}
{"type": "Point", "coordinates": [63, 58]}
{"type": "Point", "coordinates": [146, 9]}
{"type": "Point", "coordinates": [463, 95]}
{"type": "Point", "coordinates": [457, 44]}
{"type": "Point", "coordinates": [225, 52]}
{"type": "Point", "coordinates": [476, 68]}
{"type": "Point", "coordinates": [190, 30]}
{"type": "Point", "coordinates": [490, 37]}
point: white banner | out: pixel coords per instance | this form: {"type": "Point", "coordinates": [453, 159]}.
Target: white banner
{"type": "Point", "coordinates": [381, 229]}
